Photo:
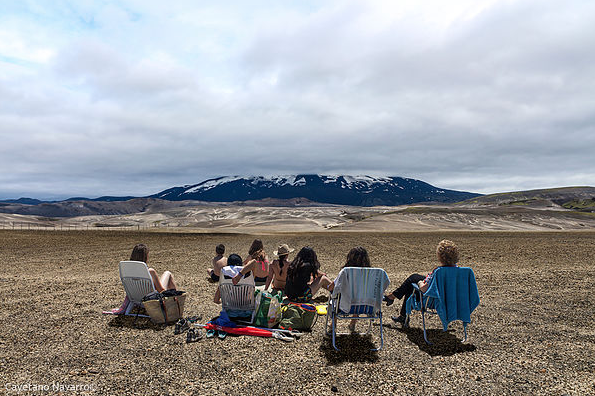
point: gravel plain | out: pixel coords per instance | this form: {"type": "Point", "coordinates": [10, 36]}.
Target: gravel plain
{"type": "Point", "coordinates": [533, 333]}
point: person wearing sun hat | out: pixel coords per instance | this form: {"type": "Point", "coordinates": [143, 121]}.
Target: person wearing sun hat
{"type": "Point", "coordinates": [278, 269]}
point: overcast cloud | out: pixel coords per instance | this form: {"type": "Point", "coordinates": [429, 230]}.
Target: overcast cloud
{"type": "Point", "coordinates": [132, 97]}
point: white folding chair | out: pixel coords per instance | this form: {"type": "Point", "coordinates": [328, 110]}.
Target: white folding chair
{"type": "Point", "coordinates": [137, 282]}
{"type": "Point", "coordinates": [237, 300]}
{"type": "Point", "coordinates": [357, 295]}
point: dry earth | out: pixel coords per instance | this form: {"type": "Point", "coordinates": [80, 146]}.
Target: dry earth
{"type": "Point", "coordinates": [532, 334]}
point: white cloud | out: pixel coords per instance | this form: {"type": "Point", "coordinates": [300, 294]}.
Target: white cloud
{"type": "Point", "coordinates": [132, 97]}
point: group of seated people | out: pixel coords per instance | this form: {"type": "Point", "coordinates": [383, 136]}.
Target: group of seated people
{"type": "Point", "coordinates": [299, 279]}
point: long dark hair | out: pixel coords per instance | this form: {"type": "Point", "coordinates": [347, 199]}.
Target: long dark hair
{"type": "Point", "coordinates": [306, 255]}
{"type": "Point", "coordinates": [282, 259]}
{"type": "Point", "coordinates": [140, 253]}
{"type": "Point", "coordinates": [357, 257]}
{"type": "Point", "coordinates": [255, 247]}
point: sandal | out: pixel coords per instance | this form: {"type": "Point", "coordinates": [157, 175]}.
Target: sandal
{"type": "Point", "coordinates": [221, 334]}
{"type": "Point", "coordinates": [193, 335]}
{"type": "Point", "coordinates": [181, 326]}
{"type": "Point", "coordinates": [280, 336]}
{"type": "Point", "coordinates": [210, 333]}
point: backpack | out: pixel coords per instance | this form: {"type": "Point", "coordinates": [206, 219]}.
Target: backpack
{"type": "Point", "coordinates": [298, 316]}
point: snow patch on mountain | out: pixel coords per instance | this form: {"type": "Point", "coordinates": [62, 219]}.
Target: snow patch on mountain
{"type": "Point", "coordinates": [212, 183]}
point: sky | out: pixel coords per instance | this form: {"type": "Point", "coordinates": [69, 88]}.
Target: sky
{"type": "Point", "coordinates": [131, 97]}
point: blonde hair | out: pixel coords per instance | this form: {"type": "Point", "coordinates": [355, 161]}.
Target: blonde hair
{"type": "Point", "coordinates": [448, 253]}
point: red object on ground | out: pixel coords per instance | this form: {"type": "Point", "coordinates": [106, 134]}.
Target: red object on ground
{"type": "Point", "coordinates": [241, 330]}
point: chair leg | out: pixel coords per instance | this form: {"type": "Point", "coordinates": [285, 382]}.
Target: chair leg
{"type": "Point", "coordinates": [129, 308]}
{"type": "Point", "coordinates": [381, 336]}
{"type": "Point", "coordinates": [334, 330]}
{"type": "Point", "coordinates": [423, 321]}
{"type": "Point", "coordinates": [328, 313]}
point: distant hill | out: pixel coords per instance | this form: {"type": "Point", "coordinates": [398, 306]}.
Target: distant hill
{"type": "Point", "coordinates": [576, 198]}
{"type": "Point", "coordinates": [291, 191]}
{"type": "Point", "coordinates": [340, 190]}
{"type": "Point", "coordinates": [24, 201]}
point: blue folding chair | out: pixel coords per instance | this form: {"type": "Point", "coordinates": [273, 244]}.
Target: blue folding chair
{"type": "Point", "coordinates": [358, 295]}
{"type": "Point", "coordinates": [452, 295]}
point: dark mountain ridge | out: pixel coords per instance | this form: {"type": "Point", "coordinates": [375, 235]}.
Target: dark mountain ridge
{"type": "Point", "coordinates": [340, 190]}
{"type": "Point", "coordinates": [295, 190]}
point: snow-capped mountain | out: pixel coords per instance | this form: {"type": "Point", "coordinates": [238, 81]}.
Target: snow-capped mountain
{"type": "Point", "coordinates": [338, 189]}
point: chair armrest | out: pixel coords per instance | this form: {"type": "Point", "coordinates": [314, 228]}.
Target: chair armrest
{"type": "Point", "coordinates": [334, 302]}
{"type": "Point", "coordinates": [420, 295]}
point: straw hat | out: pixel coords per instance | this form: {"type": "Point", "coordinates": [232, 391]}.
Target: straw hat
{"type": "Point", "coordinates": [282, 250]}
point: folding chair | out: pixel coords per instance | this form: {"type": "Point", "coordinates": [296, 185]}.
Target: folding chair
{"type": "Point", "coordinates": [137, 283]}
{"type": "Point", "coordinates": [452, 295]}
{"type": "Point", "coordinates": [358, 291]}
{"type": "Point", "coordinates": [238, 300]}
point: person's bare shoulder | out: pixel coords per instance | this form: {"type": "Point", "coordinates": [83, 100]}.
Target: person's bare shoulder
{"type": "Point", "coordinates": [221, 262]}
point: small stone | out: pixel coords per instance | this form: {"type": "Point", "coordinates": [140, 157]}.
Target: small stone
{"type": "Point", "coordinates": [334, 388]}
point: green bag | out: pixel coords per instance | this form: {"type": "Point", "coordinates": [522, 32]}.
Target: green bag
{"type": "Point", "coordinates": [267, 309]}
{"type": "Point", "coordinates": [298, 316]}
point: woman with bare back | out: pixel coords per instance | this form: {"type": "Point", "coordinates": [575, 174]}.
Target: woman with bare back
{"type": "Point", "coordinates": [257, 262]}
{"type": "Point", "coordinates": [278, 268]}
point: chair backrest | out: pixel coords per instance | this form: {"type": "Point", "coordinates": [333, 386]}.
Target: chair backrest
{"type": "Point", "coordinates": [136, 280]}
{"type": "Point", "coordinates": [456, 290]}
{"type": "Point", "coordinates": [238, 297]}
{"type": "Point", "coordinates": [358, 287]}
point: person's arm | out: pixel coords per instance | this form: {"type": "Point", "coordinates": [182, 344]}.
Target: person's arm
{"type": "Point", "coordinates": [269, 278]}
{"type": "Point", "coordinates": [331, 286]}
{"type": "Point", "coordinates": [424, 284]}
{"type": "Point", "coordinates": [217, 298]}
{"type": "Point", "coordinates": [249, 266]}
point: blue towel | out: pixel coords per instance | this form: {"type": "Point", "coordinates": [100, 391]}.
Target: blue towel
{"type": "Point", "coordinates": [452, 293]}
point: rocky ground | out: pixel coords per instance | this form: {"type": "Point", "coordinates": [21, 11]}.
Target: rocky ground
{"type": "Point", "coordinates": [532, 334]}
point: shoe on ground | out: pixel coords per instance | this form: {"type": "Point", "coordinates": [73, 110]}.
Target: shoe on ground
{"type": "Point", "coordinates": [193, 335]}
{"type": "Point", "coordinates": [181, 326]}
{"type": "Point", "coordinates": [389, 301]}
{"type": "Point", "coordinates": [221, 334]}
{"type": "Point", "coordinates": [283, 337]}
{"type": "Point", "coordinates": [399, 319]}
{"type": "Point", "coordinates": [210, 333]}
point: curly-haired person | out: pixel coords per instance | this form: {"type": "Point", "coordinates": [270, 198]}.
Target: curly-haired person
{"type": "Point", "coordinates": [448, 256]}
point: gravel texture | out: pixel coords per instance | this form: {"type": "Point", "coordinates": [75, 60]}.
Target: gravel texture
{"type": "Point", "coordinates": [532, 334]}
